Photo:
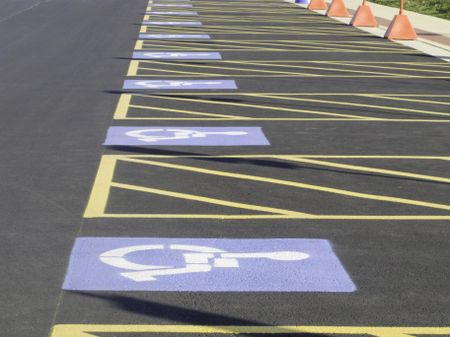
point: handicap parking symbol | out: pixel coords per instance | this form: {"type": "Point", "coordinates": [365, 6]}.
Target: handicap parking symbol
{"type": "Point", "coordinates": [172, 23]}
{"type": "Point", "coordinates": [162, 264]}
{"type": "Point", "coordinates": [176, 55]}
{"type": "Point", "coordinates": [172, 13]}
{"type": "Point", "coordinates": [179, 84]}
{"type": "Point", "coordinates": [174, 36]}
{"type": "Point", "coordinates": [172, 5]}
{"type": "Point", "coordinates": [198, 136]}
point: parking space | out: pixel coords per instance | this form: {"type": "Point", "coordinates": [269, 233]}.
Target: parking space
{"type": "Point", "coordinates": [265, 170]}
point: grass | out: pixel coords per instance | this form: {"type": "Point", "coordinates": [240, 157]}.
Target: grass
{"type": "Point", "coordinates": [438, 8]}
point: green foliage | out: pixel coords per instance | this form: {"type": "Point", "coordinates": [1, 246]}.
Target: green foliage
{"type": "Point", "coordinates": [439, 8]}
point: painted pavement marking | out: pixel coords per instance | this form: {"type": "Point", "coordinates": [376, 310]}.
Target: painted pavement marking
{"type": "Point", "coordinates": [190, 136]}
{"type": "Point", "coordinates": [373, 107]}
{"type": "Point", "coordinates": [283, 46]}
{"type": "Point", "coordinates": [219, 265]}
{"type": "Point", "coordinates": [172, 23]}
{"type": "Point", "coordinates": [176, 55]}
{"type": "Point", "coordinates": [187, 13]}
{"type": "Point", "coordinates": [250, 68]}
{"type": "Point", "coordinates": [263, 19]}
{"type": "Point", "coordinates": [174, 36]}
{"type": "Point", "coordinates": [172, 5]}
{"type": "Point", "coordinates": [91, 330]}
{"type": "Point", "coordinates": [286, 30]}
{"type": "Point", "coordinates": [334, 197]}
{"type": "Point", "coordinates": [180, 84]}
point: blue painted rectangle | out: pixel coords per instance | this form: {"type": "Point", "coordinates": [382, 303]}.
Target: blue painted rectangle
{"type": "Point", "coordinates": [176, 55]}
{"type": "Point", "coordinates": [162, 264]}
{"type": "Point", "coordinates": [173, 23]}
{"type": "Point", "coordinates": [172, 13]}
{"type": "Point", "coordinates": [174, 36]}
{"type": "Point", "coordinates": [172, 5]}
{"type": "Point", "coordinates": [179, 84]}
{"type": "Point", "coordinates": [185, 136]}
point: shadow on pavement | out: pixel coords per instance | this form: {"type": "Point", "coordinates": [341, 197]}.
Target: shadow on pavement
{"type": "Point", "coordinates": [260, 162]}
{"type": "Point", "coordinates": [183, 315]}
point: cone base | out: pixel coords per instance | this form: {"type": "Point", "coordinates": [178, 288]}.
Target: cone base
{"type": "Point", "coordinates": [401, 29]}
{"type": "Point", "coordinates": [317, 5]}
{"type": "Point", "coordinates": [337, 9]}
{"type": "Point", "coordinates": [364, 17]}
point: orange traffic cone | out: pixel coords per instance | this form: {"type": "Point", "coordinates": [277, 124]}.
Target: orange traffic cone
{"type": "Point", "coordinates": [337, 9]}
{"type": "Point", "coordinates": [364, 17]}
{"type": "Point", "coordinates": [400, 27]}
{"type": "Point", "coordinates": [317, 5]}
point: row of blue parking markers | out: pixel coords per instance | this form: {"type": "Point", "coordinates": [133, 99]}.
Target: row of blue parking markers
{"type": "Point", "coordinates": [182, 264]}
{"type": "Point", "coordinates": [175, 55]}
{"type": "Point", "coordinates": [173, 135]}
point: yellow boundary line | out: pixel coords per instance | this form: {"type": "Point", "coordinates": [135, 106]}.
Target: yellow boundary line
{"type": "Point", "coordinates": [104, 182]}
{"type": "Point", "coordinates": [89, 330]}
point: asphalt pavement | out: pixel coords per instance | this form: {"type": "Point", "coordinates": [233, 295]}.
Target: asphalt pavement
{"type": "Point", "coordinates": [209, 168]}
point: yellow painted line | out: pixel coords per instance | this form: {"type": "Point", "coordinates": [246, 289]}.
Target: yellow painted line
{"type": "Point", "coordinates": [288, 119]}
{"type": "Point", "coordinates": [224, 47]}
{"type": "Point", "coordinates": [283, 43]}
{"type": "Point", "coordinates": [133, 68]}
{"type": "Point", "coordinates": [380, 107]}
{"type": "Point", "coordinates": [273, 217]}
{"type": "Point", "coordinates": [122, 106]}
{"type": "Point", "coordinates": [139, 44]}
{"type": "Point", "coordinates": [208, 200]}
{"type": "Point", "coordinates": [187, 112]}
{"type": "Point", "coordinates": [408, 99]}
{"type": "Point", "coordinates": [102, 185]}
{"type": "Point", "coordinates": [288, 47]}
{"type": "Point", "coordinates": [224, 93]}
{"type": "Point", "coordinates": [192, 65]}
{"type": "Point", "coordinates": [394, 68]}
{"type": "Point", "coordinates": [134, 65]}
{"type": "Point", "coordinates": [298, 75]}
{"type": "Point", "coordinates": [252, 30]}
{"type": "Point", "coordinates": [369, 169]}
{"type": "Point", "coordinates": [288, 30]}
{"type": "Point", "coordinates": [262, 107]}
{"type": "Point", "coordinates": [90, 330]}
{"type": "Point", "coordinates": [291, 184]}
{"type": "Point", "coordinates": [104, 181]}
{"type": "Point", "coordinates": [350, 45]}
{"type": "Point", "coordinates": [326, 69]}
{"type": "Point", "coordinates": [275, 156]}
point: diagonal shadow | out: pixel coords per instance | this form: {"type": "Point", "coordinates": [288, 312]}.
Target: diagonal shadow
{"type": "Point", "coordinates": [262, 162]}
{"type": "Point", "coordinates": [179, 314]}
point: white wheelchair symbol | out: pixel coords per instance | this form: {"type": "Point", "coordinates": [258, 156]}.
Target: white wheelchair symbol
{"type": "Point", "coordinates": [151, 136]}
{"type": "Point", "coordinates": [163, 55]}
{"type": "Point", "coordinates": [172, 23]}
{"type": "Point", "coordinates": [198, 259]}
{"type": "Point", "coordinates": [174, 84]}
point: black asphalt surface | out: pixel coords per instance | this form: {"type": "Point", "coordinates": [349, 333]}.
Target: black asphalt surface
{"type": "Point", "coordinates": [62, 66]}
